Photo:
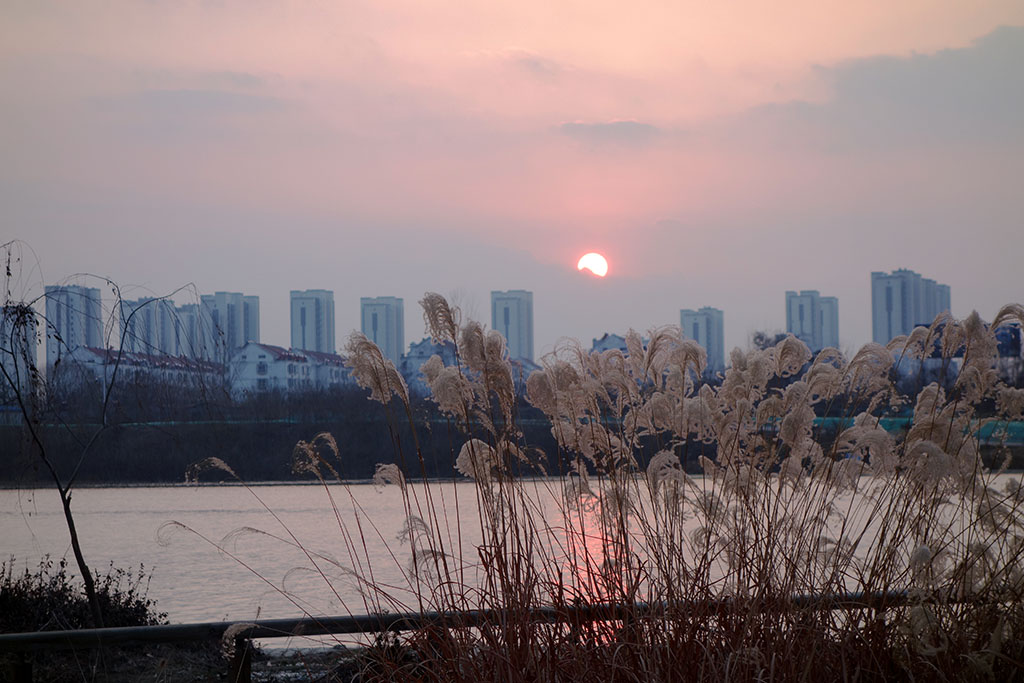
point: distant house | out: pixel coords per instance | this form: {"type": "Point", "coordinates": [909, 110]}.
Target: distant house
{"type": "Point", "coordinates": [257, 368]}
{"type": "Point", "coordinates": [419, 353]}
{"type": "Point", "coordinates": [329, 370]}
{"type": "Point", "coordinates": [87, 365]}
{"type": "Point", "coordinates": [609, 342]}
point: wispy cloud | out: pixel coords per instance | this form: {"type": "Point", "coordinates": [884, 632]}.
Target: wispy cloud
{"type": "Point", "coordinates": [630, 133]}
{"type": "Point", "coordinates": [972, 94]}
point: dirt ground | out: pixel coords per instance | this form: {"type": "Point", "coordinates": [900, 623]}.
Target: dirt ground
{"type": "Point", "coordinates": [170, 663]}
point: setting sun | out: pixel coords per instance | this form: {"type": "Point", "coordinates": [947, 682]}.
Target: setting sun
{"type": "Point", "coordinates": [593, 262]}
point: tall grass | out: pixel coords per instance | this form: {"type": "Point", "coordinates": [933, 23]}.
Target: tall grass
{"type": "Point", "coordinates": [715, 576]}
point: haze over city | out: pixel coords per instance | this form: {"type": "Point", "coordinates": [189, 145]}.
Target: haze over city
{"type": "Point", "coordinates": [717, 156]}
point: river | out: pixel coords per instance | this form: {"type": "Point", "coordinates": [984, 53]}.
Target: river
{"type": "Point", "coordinates": [251, 574]}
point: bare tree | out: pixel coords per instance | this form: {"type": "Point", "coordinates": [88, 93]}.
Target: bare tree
{"type": "Point", "coordinates": [24, 387]}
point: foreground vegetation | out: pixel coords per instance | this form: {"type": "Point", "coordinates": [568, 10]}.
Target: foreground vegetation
{"type": "Point", "coordinates": [710, 572]}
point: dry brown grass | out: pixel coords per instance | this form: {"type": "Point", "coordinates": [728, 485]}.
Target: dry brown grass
{"type": "Point", "coordinates": [709, 573]}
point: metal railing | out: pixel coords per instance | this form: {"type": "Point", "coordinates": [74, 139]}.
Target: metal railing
{"type": "Point", "coordinates": [242, 633]}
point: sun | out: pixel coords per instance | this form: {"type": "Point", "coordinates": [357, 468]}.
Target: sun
{"type": "Point", "coordinates": [593, 262]}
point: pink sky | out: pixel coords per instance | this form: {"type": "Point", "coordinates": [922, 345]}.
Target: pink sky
{"type": "Point", "coordinates": [717, 153]}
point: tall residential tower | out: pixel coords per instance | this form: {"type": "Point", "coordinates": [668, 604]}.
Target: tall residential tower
{"type": "Point", "coordinates": [706, 326]}
{"type": "Point", "coordinates": [512, 315]}
{"type": "Point", "coordinates": [903, 300]}
{"type": "Point", "coordinates": [383, 323]}
{"type": "Point", "coordinates": [813, 318]}
{"type": "Point", "coordinates": [313, 320]}
{"type": "Point", "coordinates": [235, 318]}
{"type": "Point", "coordinates": [74, 317]}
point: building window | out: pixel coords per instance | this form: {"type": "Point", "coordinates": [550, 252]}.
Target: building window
{"type": "Point", "coordinates": [261, 384]}
{"type": "Point", "coordinates": [261, 369]}
{"type": "Point", "coordinates": [291, 368]}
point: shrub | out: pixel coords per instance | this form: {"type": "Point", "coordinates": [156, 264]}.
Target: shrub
{"type": "Point", "coordinates": [49, 599]}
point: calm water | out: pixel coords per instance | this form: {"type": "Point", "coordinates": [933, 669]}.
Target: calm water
{"type": "Point", "coordinates": [224, 570]}
{"type": "Point", "coordinates": [194, 581]}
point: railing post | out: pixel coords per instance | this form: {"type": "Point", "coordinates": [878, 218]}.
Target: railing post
{"type": "Point", "coordinates": [241, 661]}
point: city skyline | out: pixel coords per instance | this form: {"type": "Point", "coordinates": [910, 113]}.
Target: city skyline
{"type": "Point", "coordinates": [158, 326]}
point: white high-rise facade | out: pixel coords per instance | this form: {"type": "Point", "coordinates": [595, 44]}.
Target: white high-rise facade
{"type": "Point", "coordinates": [383, 323]}
{"type": "Point", "coordinates": [813, 318]}
{"type": "Point", "coordinates": [18, 330]}
{"type": "Point", "coordinates": [194, 334]}
{"type": "Point", "coordinates": [706, 326]}
{"type": "Point", "coordinates": [903, 300]}
{"type": "Point", "coordinates": [148, 326]}
{"type": "Point", "coordinates": [236, 320]}
{"type": "Point", "coordinates": [313, 320]}
{"type": "Point", "coordinates": [512, 316]}
{"type": "Point", "coordinates": [74, 318]}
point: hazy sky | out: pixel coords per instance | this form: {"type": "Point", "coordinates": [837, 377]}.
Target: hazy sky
{"type": "Point", "coordinates": [717, 153]}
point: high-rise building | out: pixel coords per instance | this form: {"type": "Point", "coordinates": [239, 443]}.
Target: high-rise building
{"type": "Point", "coordinates": [236, 320]}
{"type": "Point", "coordinates": [706, 326]}
{"type": "Point", "coordinates": [18, 329]}
{"type": "Point", "coordinates": [148, 326]}
{"type": "Point", "coordinates": [74, 318]}
{"type": "Point", "coordinates": [512, 315]}
{"type": "Point", "coordinates": [383, 323]}
{"type": "Point", "coordinates": [313, 320]}
{"type": "Point", "coordinates": [194, 334]}
{"type": "Point", "coordinates": [813, 318]}
{"type": "Point", "coordinates": [903, 300]}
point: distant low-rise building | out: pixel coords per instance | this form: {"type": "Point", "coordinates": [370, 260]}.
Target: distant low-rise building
{"type": "Point", "coordinates": [419, 353]}
{"type": "Point", "coordinates": [329, 370]}
{"type": "Point", "coordinates": [98, 368]}
{"type": "Point", "coordinates": [259, 368]}
{"type": "Point", "coordinates": [608, 342]}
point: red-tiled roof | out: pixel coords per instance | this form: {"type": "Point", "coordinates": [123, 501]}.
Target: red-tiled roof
{"type": "Point", "coordinates": [281, 353]}
{"type": "Point", "coordinates": [326, 358]}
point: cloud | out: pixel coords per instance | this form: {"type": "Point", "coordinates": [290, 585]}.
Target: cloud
{"type": "Point", "coordinates": [972, 95]}
{"type": "Point", "coordinates": [183, 115]}
{"type": "Point", "coordinates": [199, 102]}
{"type": "Point", "coordinates": [629, 133]}
{"type": "Point", "coordinates": [535, 65]}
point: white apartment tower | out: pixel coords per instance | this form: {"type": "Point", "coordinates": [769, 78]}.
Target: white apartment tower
{"type": "Point", "coordinates": [383, 323]}
{"type": "Point", "coordinates": [194, 334]}
{"type": "Point", "coordinates": [313, 320]}
{"type": "Point", "coordinates": [512, 316]}
{"type": "Point", "coordinates": [903, 300]}
{"type": "Point", "coordinates": [18, 329]}
{"type": "Point", "coordinates": [706, 326]}
{"type": "Point", "coordinates": [148, 326]}
{"type": "Point", "coordinates": [74, 318]}
{"type": "Point", "coordinates": [813, 318]}
{"type": "Point", "coordinates": [235, 318]}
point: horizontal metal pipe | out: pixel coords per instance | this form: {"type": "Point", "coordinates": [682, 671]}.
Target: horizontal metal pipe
{"type": "Point", "coordinates": [375, 623]}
